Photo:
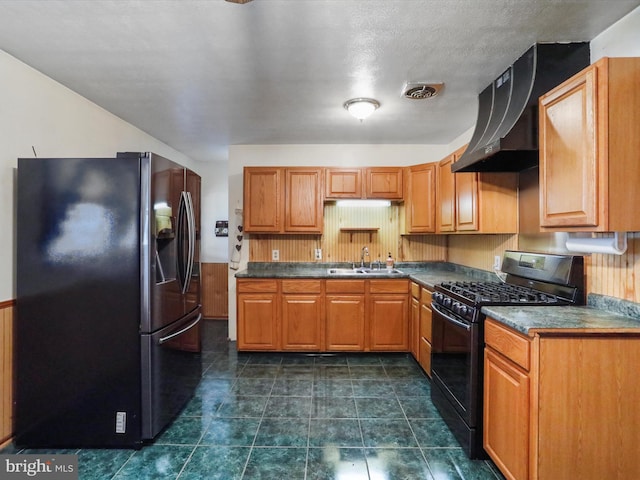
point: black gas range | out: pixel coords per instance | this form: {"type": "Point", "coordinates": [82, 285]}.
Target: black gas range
{"type": "Point", "coordinates": [525, 278]}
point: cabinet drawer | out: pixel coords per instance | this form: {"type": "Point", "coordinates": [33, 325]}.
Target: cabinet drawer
{"type": "Point", "coordinates": [345, 286]}
{"type": "Point", "coordinates": [301, 286]}
{"type": "Point", "coordinates": [426, 296]}
{"type": "Point", "coordinates": [389, 286]}
{"type": "Point", "coordinates": [415, 290]}
{"type": "Point", "coordinates": [260, 286]}
{"type": "Point", "coordinates": [512, 345]}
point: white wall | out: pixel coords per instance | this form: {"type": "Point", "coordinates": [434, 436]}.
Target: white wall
{"type": "Point", "coordinates": [215, 206]}
{"type": "Point", "coordinates": [37, 111]}
{"type": "Point", "coordinates": [622, 39]}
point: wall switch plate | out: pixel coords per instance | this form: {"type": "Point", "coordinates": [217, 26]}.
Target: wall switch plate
{"type": "Point", "coordinates": [275, 255]}
{"type": "Point", "coordinates": [318, 254]}
{"type": "Point", "coordinates": [497, 262]}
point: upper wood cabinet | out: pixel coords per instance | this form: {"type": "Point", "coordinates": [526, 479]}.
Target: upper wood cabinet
{"type": "Point", "coordinates": [303, 200]}
{"type": "Point", "coordinates": [383, 182]}
{"type": "Point", "coordinates": [263, 199]}
{"type": "Point", "coordinates": [283, 200]}
{"type": "Point", "coordinates": [446, 196]}
{"type": "Point", "coordinates": [343, 183]}
{"type": "Point", "coordinates": [373, 183]}
{"type": "Point", "coordinates": [475, 202]}
{"type": "Point", "coordinates": [420, 198]}
{"type": "Point", "coordinates": [590, 149]}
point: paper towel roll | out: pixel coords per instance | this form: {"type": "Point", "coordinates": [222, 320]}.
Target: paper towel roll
{"type": "Point", "coordinates": [615, 245]}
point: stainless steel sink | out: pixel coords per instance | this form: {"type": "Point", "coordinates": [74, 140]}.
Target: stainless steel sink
{"type": "Point", "coordinates": [342, 271]}
{"type": "Point", "coordinates": [362, 271]}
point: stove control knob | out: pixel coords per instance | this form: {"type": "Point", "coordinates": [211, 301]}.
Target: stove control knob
{"type": "Point", "coordinates": [437, 297]}
{"type": "Point", "coordinates": [455, 307]}
{"type": "Point", "coordinates": [462, 310]}
{"type": "Point", "coordinates": [447, 302]}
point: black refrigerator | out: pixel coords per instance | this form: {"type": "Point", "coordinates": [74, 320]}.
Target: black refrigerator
{"type": "Point", "coordinates": [108, 299]}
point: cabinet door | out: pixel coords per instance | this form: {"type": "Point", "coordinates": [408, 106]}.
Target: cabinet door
{"type": "Point", "coordinates": [384, 182]}
{"type": "Point", "coordinates": [343, 183]}
{"type": "Point", "coordinates": [425, 356]}
{"type": "Point", "coordinates": [301, 322]}
{"type": "Point", "coordinates": [425, 321]}
{"type": "Point", "coordinates": [466, 188]}
{"type": "Point", "coordinates": [425, 331]}
{"type": "Point", "coordinates": [303, 200]}
{"type": "Point", "coordinates": [506, 415]}
{"type": "Point", "coordinates": [421, 199]}
{"type": "Point", "coordinates": [569, 153]}
{"type": "Point", "coordinates": [389, 323]}
{"type": "Point", "coordinates": [345, 322]}
{"type": "Point", "coordinates": [258, 321]}
{"type": "Point", "coordinates": [414, 330]}
{"type": "Point", "coordinates": [446, 201]}
{"type": "Point", "coordinates": [263, 199]}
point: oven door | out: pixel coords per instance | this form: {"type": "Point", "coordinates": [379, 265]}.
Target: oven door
{"type": "Point", "coordinates": [455, 362]}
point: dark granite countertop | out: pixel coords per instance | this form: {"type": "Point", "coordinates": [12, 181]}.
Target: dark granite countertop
{"type": "Point", "coordinates": [602, 314]}
{"type": "Point", "coordinates": [530, 320]}
{"type": "Point", "coordinates": [427, 274]}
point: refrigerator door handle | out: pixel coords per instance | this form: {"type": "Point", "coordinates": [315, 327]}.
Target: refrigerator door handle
{"type": "Point", "coordinates": [191, 226]}
{"type": "Point", "coordinates": [181, 331]}
{"type": "Point", "coordinates": [186, 220]}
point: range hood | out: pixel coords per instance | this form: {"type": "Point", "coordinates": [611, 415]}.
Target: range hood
{"type": "Point", "coordinates": [506, 134]}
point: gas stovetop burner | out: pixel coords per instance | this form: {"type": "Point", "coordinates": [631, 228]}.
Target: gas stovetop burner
{"type": "Point", "coordinates": [496, 293]}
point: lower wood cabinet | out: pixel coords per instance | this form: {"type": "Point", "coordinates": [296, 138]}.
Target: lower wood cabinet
{"type": "Point", "coordinates": [258, 315]}
{"type": "Point", "coordinates": [388, 315]}
{"type": "Point", "coordinates": [420, 334]}
{"type": "Point", "coordinates": [506, 395]}
{"type": "Point", "coordinates": [414, 325]}
{"type": "Point", "coordinates": [346, 315]}
{"type": "Point", "coordinates": [561, 404]}
{"type": "Point", "coordinates": [302, 314]}
{"type": "Point", "coordinates": [425, 331]}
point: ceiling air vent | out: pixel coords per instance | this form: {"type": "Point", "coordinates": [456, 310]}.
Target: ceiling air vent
{"type": "Point", "coordinates": [420, 91]}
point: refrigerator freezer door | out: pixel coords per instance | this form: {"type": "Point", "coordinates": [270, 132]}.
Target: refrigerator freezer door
{"type": "Point", "coordinates": [169, 373]}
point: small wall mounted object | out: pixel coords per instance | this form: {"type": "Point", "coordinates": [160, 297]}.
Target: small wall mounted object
{"type": "Point", "coordinates": [222, 228]}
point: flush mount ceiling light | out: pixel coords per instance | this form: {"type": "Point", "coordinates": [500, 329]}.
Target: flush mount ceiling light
{"type": "Point", "coordinates": [239, 1]}
{"type": "Point", "coordinates": [361, 108]}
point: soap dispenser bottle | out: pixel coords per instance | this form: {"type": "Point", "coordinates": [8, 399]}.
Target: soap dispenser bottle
{"type": "Point", "coordinates": [389, 262]}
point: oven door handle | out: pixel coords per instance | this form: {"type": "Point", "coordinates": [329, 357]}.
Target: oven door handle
{"type": "Point", "coordinates": [449, 318]}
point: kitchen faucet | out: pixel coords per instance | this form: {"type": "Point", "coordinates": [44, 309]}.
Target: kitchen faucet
{"type": "Point", "coordinates": [365, 251]}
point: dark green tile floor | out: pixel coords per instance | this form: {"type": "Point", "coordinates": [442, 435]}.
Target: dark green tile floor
{"type": "Point", "coordinates": [297, 417]}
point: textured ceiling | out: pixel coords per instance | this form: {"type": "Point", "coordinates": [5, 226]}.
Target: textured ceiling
{"type": "Point", "coordinates": [204, 74]}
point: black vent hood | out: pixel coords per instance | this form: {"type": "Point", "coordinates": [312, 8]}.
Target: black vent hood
{"type": "Point", "coordinates": [506, 134]}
